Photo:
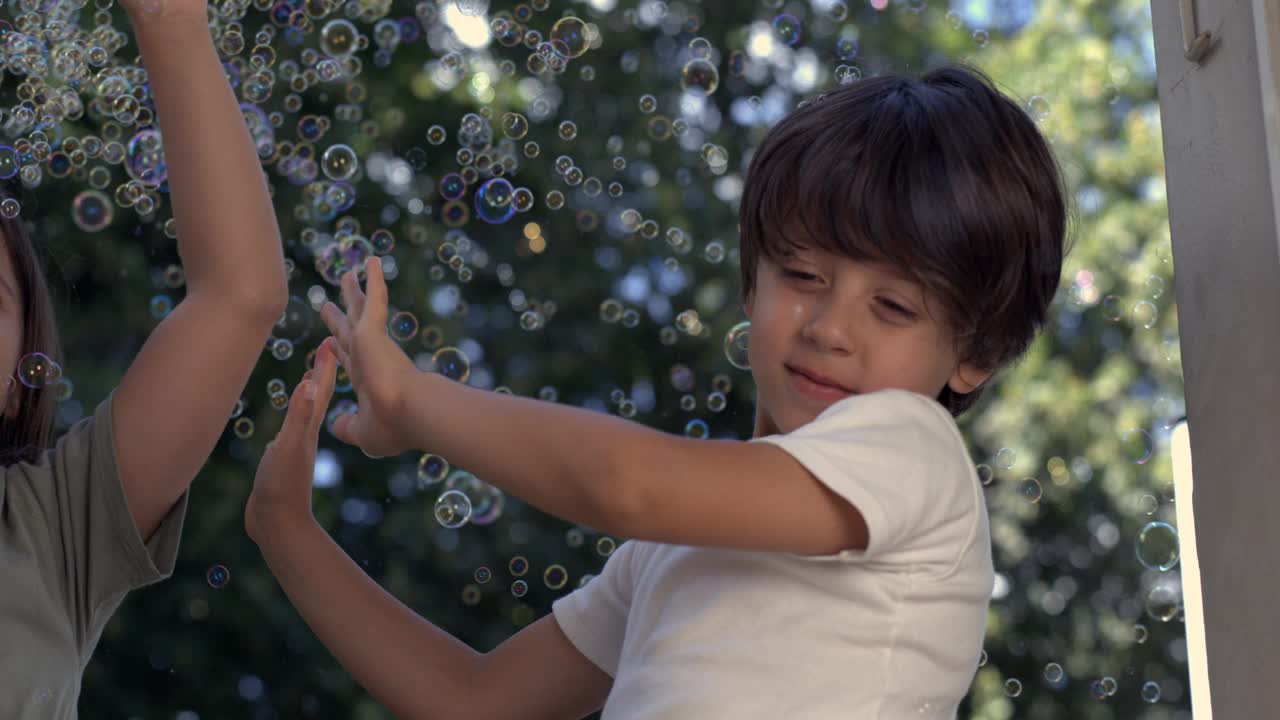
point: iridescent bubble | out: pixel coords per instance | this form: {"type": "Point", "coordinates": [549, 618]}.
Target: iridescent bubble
{"type": "Point", "coordinates": [847, 47]}
{"type": "Point", "coordinates": [1151, 691]}
{"type": "Point", "coordinates": [452, 509]}
{"type": "Point", "coordinates": [1136, 444]}
{"type": "Point", "coordinates": [522, 199]}
{"type": "Point", "coordinates": [38, 370]}
{"type": "Point", "coordinates": [338, 37]}
{"type": "Point", "coordinates": [10, 207]}
{"type": "Point", "coordinates": [486, 500]}
{"type": "Point", "coordinates": [339, 162]}
{"type": "Point", "coordinates": [648, 103]}
{"type": "Point", "coordinates": [696, 429]}
{"type": "Point", "coordinates": [1030, 490]}
{"type": "Point", "coordinates": [567, 130]}
{"type": "Point", "coordinates": [1053, 672]}
{"type": "Point", "coordinates": [554, 577]}
{"type": "Point", "coordinates": [1157, 546]}
{"type": "Point", "coordinates": [431, 469]}
{"type": "Point", "coordinates": [452, 186]}
{"type": "Point", "coordinates": [1163, 603]}
{"type": "Point", "coordinates": [483, 574]}
{"type": "Point", "coordinates": [144, 158]}
{"type": "Point", "coordinates": [1013, 687]}
{"type": "Point", "coordinates": [736, 342]}
{"type": "Point", "coordinates": [403, 326]}
{"type": "Point", "coordinates": [92, 210]}
{"type": "Point", "coordinates": [700, 75]}
{"type": "Point", "coordinates": [787, 28]}
{"type": "Point", "coordinates": [515, 125]}
{"type": "Point", "coordinates": [700, 47]}
{"type": "Point", "coordinates": [10, 162]}
{"type": "Point", "coordinates": [494, 201]}
{"type": "Point", "coordinates": [569, 35]}
{"type": "Point", "coordinates": [218, 576]}
{"type": "Point", "coordinates": [519, 588]}
{"type": "Point", "coordinates": [452, 363]}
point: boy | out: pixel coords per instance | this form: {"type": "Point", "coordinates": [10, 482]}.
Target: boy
{"type": "Point", "coordinates": [901, 240]}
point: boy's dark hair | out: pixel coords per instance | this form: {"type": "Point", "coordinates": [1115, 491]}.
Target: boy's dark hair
{"type": "Point", "coordinates": [942, 177]}
{"type": "Point", "coordinates": [23, 439]}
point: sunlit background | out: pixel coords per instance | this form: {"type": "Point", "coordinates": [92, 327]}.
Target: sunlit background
{"type": "Point", "coordinates": [553, 187]}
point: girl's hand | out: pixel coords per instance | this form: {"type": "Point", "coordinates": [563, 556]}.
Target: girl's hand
{"type": "Point", "coordinates": [378, 368]}
{"type": "Point", "coordinates": [153, 11]}
{"type": "Point", "coordinates": [282, 486]}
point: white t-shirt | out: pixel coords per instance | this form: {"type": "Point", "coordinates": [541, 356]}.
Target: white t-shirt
{"type": "Point", "coordinates": [891, 633]}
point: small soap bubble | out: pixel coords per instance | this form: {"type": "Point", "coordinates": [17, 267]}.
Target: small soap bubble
{"type": "Point", "coordinates": [515, 125]}
{"type": "Point", "coordinates": [339, 162]}
{"type": "Point", "coordinates": [453, 508]}
{"type": "Point", "coordinates": [483, 575]}
{"type": "Point", "coordinates": [494, 201]}
{"type": "Point", "coordinates": [218, 576]}
{"type": "Point", "coordinates": [431, 469]}
{"type": "Point", "coordinates": [700, 75]}
{"type": "Point", "coordinates": [403, 326]}
{"type": "Point", "coordinates": [37, 370]}
{"type": "Point", "coordinates": [569, 37]}
{"type": "Point", "coordinates": [518, 566]}
{"type": "Point", "coordinates": [1157, 546]}
{"type": "Point", "coordinates": [786, 28]}
{"type": "Point", "coordinates": [519, 588]}
{"type": "Point", "coordinates": [555, 577]}
{"type": "Point", "coordinates": [452, 363]}
{"type": "Point", "coordinates": [92, 210]}
{"type": "Point", "coordinates": [736, 342]}
{"type": "Point", "coordinates": [338, 37]}
{"type": "Point", "coordinates": [696, 429]}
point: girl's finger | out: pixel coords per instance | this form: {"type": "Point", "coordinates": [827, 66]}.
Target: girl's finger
{"type": "Point", "coordinates": [325, 379]}
{"type": "Point", "coordinates": [299, 414]}
{"type": "Point", "coordinates": [376, 306]}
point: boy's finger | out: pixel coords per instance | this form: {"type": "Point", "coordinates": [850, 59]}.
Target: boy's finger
{"type": "Point", "coordinates": [352, 297]}
{"type": "Point", "coordinates": [337, 321]}
{"type": "Point", "coordinates": [376, 284]}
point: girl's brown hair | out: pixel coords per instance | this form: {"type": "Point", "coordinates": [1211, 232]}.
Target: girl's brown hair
{"type": "Point", "coordinates": [24, 438]}
{"type": "Point", "coordinates": [942, 177]}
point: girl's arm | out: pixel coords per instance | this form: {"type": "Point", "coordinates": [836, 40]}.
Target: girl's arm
{"type": "Point", "coordinates": [413, 667]}
{"type": "Point", "coordinates": [176, 398]}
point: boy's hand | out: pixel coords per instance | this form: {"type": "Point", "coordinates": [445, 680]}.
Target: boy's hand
{"type": "Point", "coordinates": [282, 485]}
{"type": "Point", "coordinates": [378, 368]}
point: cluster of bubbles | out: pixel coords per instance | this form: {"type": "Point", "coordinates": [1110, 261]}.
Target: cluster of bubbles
{"type": "Point", "coordinates": [278, 54]}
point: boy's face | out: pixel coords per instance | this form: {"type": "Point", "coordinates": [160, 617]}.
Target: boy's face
{"type": "Point", "coordinates": [814, 312]}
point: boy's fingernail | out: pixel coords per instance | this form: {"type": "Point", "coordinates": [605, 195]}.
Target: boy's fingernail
{"type": "Point", "coordinates": [308, 390]}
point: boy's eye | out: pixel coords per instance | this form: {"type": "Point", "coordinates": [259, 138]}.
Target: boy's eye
{"type": "Point", "coordinates": [799, 275]}
{"type": "Point", "coordinates": [897, 308]}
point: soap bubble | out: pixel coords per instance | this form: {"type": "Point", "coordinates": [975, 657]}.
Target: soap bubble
{"type": "Point", "coordinates": [452, 509]}
{"type": "Point", "coordinates": [569, 37]}
{"type": "Point", "coordinates": [736, 343]}
{"type": "Point", "coordinates": [452, 363]}
{"type": "Point", "coordinates": [700, 75]}
{"type": "Point", "coordinates": [339, 162]}
{"type": "Point", "coordinates": [91, 210]}
{"type": "Point", "coordinates": [494, 201]}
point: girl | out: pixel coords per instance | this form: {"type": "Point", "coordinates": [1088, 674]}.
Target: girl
{"type": "Point", "coordinates": [100, 513]}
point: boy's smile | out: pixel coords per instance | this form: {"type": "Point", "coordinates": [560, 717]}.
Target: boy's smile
{"type": "Point", "coordinates": [825, 327]}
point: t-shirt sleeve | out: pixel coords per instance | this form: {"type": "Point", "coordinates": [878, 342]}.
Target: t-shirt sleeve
{"type": "Point", "coordinates": [79, 526]}
{"type": "Point", "coordinates": [896, 456]}
{"type": "Point", "coordinates": [594, 617]}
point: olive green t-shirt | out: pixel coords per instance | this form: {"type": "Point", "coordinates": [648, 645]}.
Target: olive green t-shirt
{"type": "Point", "coordinates": [69, 552]}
